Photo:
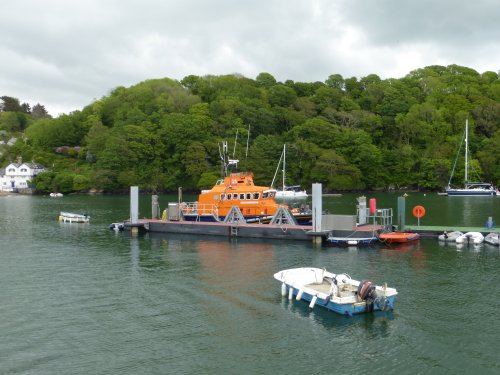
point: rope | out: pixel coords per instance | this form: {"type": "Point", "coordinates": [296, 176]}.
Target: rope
{"type": "Point", "coordinates": [456, 158]}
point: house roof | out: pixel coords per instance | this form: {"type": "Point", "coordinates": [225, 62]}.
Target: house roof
{"type": "Point", "coordinates": [34, 165]}
{"type": "Point", "coordinates": [30, 165]}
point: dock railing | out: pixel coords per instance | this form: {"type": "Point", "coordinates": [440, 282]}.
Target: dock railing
{"type": "Point", "coordinates": [382, 216]}
{"type": "Point", "coordinates": [195, 208]}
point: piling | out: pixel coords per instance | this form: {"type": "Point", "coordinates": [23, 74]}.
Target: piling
{"type": "Point", "coordinates": [155, 207]}
{"type": "Point", "coordinates": [134, 208]}
{"type": "Point", "coordinates": [361, 210]}
{"type": "Point", "coordinates": [401, 213]}
{"type": "Point", "coordinates": [317, 211]}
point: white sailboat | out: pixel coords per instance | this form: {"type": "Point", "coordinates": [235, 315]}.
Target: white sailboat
{"type": "Point", "coordinates": [470, 188]}
{"type": "Point", "coordinates": [287, 192]}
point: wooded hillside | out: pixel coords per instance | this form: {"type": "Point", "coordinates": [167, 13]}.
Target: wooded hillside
{"type": "Point", "coordinates": [347, 133]}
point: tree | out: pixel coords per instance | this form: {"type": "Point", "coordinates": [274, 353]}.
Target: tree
{"type": "Point", "coordinates": [39, 112]}
{"type": "Point", "coordinates": [96, 139]}
{"type": "Point", "coordinates": [281, 95]}
{"type": "Point", "coordinates": [10, 104]}
{"type": "Point", "coordinates": [336, 81]}
{"type": "Point", "coordinates": [336, 173]}
{"type": "Point", "coordinates": [265, 80]}
{"type": "Point", "coordinates": [10, 122]}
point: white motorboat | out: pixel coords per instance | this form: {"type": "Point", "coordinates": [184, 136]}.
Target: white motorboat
{"type": "Point", "coordinates": [335, 292]}
{"type": "Point", "coordinates": [70, 217]}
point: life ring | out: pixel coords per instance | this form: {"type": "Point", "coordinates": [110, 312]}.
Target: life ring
{"type": "Point", "coordinates": [418, 211]}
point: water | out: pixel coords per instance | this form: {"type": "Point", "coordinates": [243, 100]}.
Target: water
{"type": "Point", "coordinates": [81, 299]}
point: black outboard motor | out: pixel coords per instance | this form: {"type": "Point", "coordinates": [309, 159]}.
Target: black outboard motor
{"type": "Point", "coordinates": [366, 291]}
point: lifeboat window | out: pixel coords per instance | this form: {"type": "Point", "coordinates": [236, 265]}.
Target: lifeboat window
{"type": "Point", "coordinates": [242, 195]}
{"type": "Point", "coordinates": [264, 195]}
{"type": "Point", "coordinates": [256, 195]}
{"type": "Point", "coordinates": [216, 197]}
{"type": "Point", "coordinates": [235, 196]}
{"type": "Point", "coordinates": [222, 197]}
{"type": "Point", "coordinates": [249, 196]}
{"type": "Point", "coordinates": [272, 194]}
{"type": "Point", "coordinates": [229, 196]}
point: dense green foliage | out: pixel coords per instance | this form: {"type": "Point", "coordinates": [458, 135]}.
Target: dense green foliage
{"type": "Point", "coordinates": [346, 133]}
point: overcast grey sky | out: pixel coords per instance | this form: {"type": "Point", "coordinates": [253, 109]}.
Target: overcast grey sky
{"type": "Point", "coordinates": [64, 54]}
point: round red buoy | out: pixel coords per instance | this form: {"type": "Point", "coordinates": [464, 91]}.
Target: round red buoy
{"type": "Point", "coordinates": [373, 206]}
{"type": "Point", "coordinates": [418, 211]}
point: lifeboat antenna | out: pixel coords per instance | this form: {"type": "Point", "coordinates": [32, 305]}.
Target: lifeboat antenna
{"type": "Point", "coordinates": [233, 161]}
{"type": "Point", "coordinates": [246, 152]}
{"type": "Point", "coordinates": [235, 141]}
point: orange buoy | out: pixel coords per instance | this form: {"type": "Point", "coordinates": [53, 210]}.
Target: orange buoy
{"type": "Point", "coordinates": [418, 211]}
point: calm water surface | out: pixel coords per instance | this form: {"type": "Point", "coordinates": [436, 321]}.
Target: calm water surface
{"type": "Point", "coordinates": [81, 299]}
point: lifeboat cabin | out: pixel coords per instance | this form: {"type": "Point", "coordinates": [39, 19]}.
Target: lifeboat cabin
{"type": "Point", "coordinates": [256, 203]}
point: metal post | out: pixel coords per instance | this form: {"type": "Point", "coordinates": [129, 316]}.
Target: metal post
{"type": "Point", "coordinates": [134, 204]}
{"type": "Point", "coordinates": [361, 210]}
{"type": "Point", "coordinates": [134, 208]}
{"type": "Point", "coordinates": [179, 194]}
{"type": "Point", "coordinates": [155, 207]}
{"type": "Point", "coordinates": [317, 210]}
{"type": "Point", "coordinates": [317, 207]}
{"type": "Point", "coordinates": [401, 213]}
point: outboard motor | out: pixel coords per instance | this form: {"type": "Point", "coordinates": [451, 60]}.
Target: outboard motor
{"type": "Point", "coordinates": [366, 291]}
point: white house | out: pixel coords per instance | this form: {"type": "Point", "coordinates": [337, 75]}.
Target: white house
{"type": "Point", "coordinates": [18, 175]}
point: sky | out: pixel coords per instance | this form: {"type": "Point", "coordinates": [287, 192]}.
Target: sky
{"type": "Point", "coordinates": [65, 54]}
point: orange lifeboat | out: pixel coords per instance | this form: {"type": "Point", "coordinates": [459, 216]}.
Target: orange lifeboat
{"type": "Point", "coordinates": [238, 189]}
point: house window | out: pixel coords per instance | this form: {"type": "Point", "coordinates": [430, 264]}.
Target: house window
{"type": "Point", "coordinates": [12, 170]}
{"type": "Point", "coordinates": [24, 170]}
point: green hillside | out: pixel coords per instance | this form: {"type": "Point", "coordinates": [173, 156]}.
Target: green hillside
{"type": "Point", "coordinates": [347, 133]}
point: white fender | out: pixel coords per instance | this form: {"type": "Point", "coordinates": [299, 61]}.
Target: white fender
{"type": "Point", "coordinates": [283, 289]}
{"type": "Point", "coordinates": [290, 293]}
{"type": "Point", "coordinates": [299, 294]}
{"type": "Point", "coordinates": [313, 302]}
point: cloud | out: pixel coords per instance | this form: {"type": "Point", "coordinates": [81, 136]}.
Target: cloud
{"type": "Point", "coordinates": [65, 54]}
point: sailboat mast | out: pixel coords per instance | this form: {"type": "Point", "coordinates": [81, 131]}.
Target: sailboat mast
{"type": "Point", "coordinates": [284, 161]}
{"type": "Point", "coordinates": [466, 150]}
